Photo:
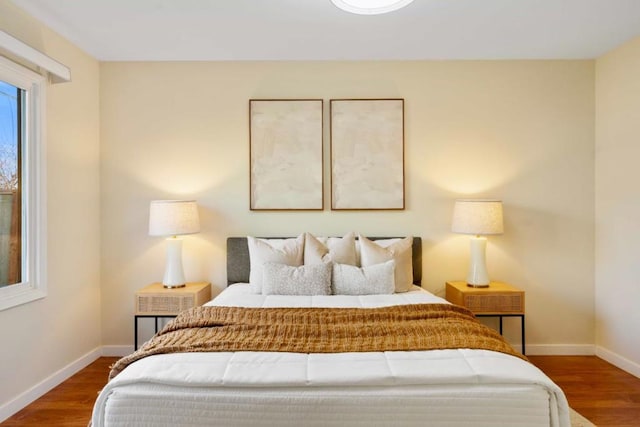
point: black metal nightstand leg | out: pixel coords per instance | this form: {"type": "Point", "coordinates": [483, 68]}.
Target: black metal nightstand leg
{"type": "Point", "coordinates": [157, 324]}
{"type": "Point", "coordinates": [500, 316]}
{"type": "Point", "coordinates": [522, 331]}
{"type": "Point", "coordinates": [135, 333]}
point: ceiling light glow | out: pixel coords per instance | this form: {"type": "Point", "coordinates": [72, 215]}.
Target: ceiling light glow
{"type": "Point", "coordinates": [370, 7]}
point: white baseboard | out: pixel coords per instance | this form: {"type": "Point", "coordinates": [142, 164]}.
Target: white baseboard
{"type": "Point", "coordinates": [116, 350]}
{"type": "Point", "coordinates": [559, 349]}
{"type": "Point", "coordinates": [621, 362]}
{"type": "Point", "coordinates": [24, 399]}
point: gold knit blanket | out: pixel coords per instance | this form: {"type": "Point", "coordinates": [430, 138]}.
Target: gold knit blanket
{"type": "Point", "coordinates": [321, 330]}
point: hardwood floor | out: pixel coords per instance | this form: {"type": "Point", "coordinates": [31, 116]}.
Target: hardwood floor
{"type": "Point", "coordinates": [606, 395]}
{"type": "Point", "coordinates": [70, 403]}
{"type": "Point", "coordinates": [600, 392]}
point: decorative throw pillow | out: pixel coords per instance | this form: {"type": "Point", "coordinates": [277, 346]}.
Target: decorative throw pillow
{"type": "Point", "coordinates": [330, 249]}
{"type": "Point", "coordinates": [281, 251]}
{"type": "Point", "coordinates": [280, 279]}
{"type": "Point", "coordinates": [400, 250]}
{"type": "Point", "coordinates": [376, 279]}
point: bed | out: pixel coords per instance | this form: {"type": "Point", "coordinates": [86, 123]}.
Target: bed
{"type": "Point", "coordinates": [443, 387]}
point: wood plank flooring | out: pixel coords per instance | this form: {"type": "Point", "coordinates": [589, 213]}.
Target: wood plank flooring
{"type": "Point", "coordinates": [606, 395]}
{"type": "Point", "coordinates": [69, 404]}
{"type": "Point", "coordinates": [600, 392]}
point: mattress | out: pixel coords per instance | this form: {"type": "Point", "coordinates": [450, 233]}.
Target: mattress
{"type": "Point", "coordinates": [401, 388]}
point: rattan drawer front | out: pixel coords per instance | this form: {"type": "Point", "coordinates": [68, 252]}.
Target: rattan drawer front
{"type": "Point", "coordinates": [497, 298]}
{"type": "Point", "coordinates": [163, 304]}
{"type": "Point", "coordinates": [494, 303]}
{"type": "Point", "coordinates": [155, 299]}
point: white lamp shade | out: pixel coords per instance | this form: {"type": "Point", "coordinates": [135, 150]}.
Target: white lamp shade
{"type": "Point", "coordinates": [173, 217]}
{"type": "Point", "coordinates": [477, 216]}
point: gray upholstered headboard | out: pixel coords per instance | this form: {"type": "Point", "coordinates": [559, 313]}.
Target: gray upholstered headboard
{"type": "Point", "coordinates": [238, 259]}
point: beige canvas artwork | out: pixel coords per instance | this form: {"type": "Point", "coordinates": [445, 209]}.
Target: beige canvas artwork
{"type": "Point", "coordinates": [367, 154]}
{"type": "Point", "coordinates": [286, 154]}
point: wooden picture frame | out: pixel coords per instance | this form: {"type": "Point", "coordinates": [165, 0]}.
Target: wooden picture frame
{"type": "Point", "coordinates": [285, 150]}
{"type": "Point", "coordinates": [367, 154]}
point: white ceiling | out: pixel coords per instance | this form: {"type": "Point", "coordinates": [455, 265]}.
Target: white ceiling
{"type": "Point", "coordinates": [141, 30]}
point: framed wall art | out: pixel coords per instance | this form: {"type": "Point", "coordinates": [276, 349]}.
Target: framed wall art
{"type": "Point", "coordinates": [367, 154]}
{"type": "Point", "coordinates": [285, 145]}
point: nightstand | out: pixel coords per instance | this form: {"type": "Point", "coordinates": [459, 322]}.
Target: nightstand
{"type": "Point", "coordinates": [498, 300]}
{"type": "Point", "coordinates": [157, 302]}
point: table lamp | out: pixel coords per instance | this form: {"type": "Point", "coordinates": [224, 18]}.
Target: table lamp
{"type": "Point", "coordinates": [478, 217]}
{"type": "Point", "coordinates": [173, 218]}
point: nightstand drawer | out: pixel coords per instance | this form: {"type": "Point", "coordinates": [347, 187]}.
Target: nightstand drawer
{"type": "Point", "coordinates": [499, 298]}
{"type": "Point", "coordinates": [157, 300]}
{"type": "Point", "coordinates": [162, 304]}
{"type": "Point", "coordinates": [495, 303]}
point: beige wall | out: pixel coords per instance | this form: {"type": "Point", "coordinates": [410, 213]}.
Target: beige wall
{"type": "Point", "coordinates": [41, 337]}
{"type": "Point", "coordinates": [617, 207]}
{"type": "Point", "coordinates": [522, 131]}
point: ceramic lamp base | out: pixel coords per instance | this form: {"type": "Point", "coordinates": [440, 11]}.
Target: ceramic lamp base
{"type": "Point", "coordinates": [173, 273]}
{"type": "Point", "coordinates": [478, 276]}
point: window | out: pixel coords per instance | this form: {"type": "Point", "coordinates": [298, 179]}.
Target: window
{"type": "Point", "coordinates": [22, 190]}
{"type": "Point", "coordinates": [10, 207]}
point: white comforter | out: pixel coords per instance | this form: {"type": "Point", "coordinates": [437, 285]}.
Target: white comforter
{"type": "Point", "coordinates": [414, 388]}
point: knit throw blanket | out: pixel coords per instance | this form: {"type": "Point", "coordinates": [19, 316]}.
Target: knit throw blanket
{"type": "Point", "coordinates": [321, 330]}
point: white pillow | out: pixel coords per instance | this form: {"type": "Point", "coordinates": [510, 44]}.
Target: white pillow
{"type": "Point", "coordinates": [280, 279]}
{"type": "Point", "coordinates": [330, 249]}
{"type": "Point", "coordinates": [372, 253]}
{"type": "Point", "coordinates": [281, 251]}
{"type": "Point", "coordinates": [376, 279]}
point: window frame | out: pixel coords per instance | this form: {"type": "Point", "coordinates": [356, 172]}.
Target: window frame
{"type": "Point", "coordinates": [33, 285]}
